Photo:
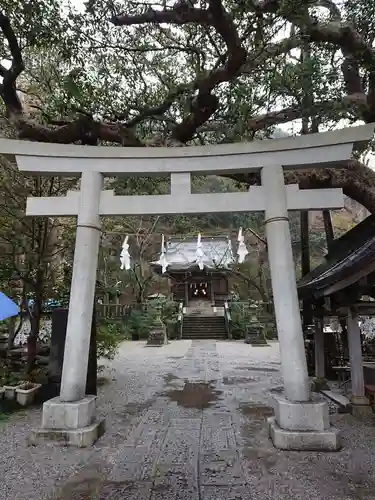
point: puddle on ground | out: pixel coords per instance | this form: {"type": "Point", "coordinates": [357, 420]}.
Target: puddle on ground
{"type": "Point", "coordinates": [198, 395]}
{"type": "Point", "coordinates": [265, 457]}
{"type": "Point", "coordinates": [256, 410]}
{"type": "Point", "coordinates": [135, 408]}
{"type": "Point", "coordinates": [104, 381]}
{"type": "Point", "coordinates": [169, 377]}
{"type": "Point", "coordinates": [258, 368]}
{"type": "Point", "coordinates": [238, 380]}
{"type": "Point", "coordinates": [99, 488]}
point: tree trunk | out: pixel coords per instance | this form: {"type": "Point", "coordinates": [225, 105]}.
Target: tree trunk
{"type": "Point", "coordinates": [307, 103]}
{"type": "Point", "coordinates": [12, 332]}
{"type": "Point", "coordinates": [32, 339]}
{"type": "Point", "coordinates": [305, 266]}
{"type": "Point", "coordinates": [328, 228]}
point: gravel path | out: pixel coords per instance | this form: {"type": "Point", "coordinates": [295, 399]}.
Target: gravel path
{"type": "Point", "coordinates": [186, 422]}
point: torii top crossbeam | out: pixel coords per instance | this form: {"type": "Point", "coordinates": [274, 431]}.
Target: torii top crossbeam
{"type": "Point", "coordinates": [326, 149]}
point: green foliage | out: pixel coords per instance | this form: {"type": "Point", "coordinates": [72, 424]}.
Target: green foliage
{"type": "Point", "coordinates": [243, 314]}
{"type": "Point", "coordinates": [167, 310]}
{"type": "Point", "coordinates": [139, 323]}
{"type": "Point", "coordinates": [3, 373]}
{"type": "Point", "coordinates": [108, 338]}
{"type": "Point", "coordinates": [38, 375]}
{"type": "Point", "coordinates": [142, 319]}
{"type": "Point", "coordinates": [38, 23]}
{"type": "Point", "coordinates": [7, 376]}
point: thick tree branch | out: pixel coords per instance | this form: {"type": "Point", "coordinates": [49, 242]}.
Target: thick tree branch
{"type": "Point", "coordinates": [335, 32]}
{"type": "Point", "coordinates": [85, 126]}
{"type": "Point", "coordinates": [8, 86]}
{"type": "Point", "coordinates": [202, 108]}
{"type": "Point", "coordinates": [347, 104]}
{"type": "Point", "coordinates": [356, 179]}
{"type": "Point", "coordinates": [205, 104]}
{"type": "Point", "coordinates": [295, 112]}
{"type": "Point", "coordinates": [344, 36]}
{"type": "Point", "coordinates": [182, 14]}
{"type": "Point", "coordinates": [17, 61]}
{"type": "Point", "coordinates": [356, 50]}
{"type": "Point", "coordinates": [84, 129]}
{"type": "Point", "coordinates": [256, 58]}
{"type": "Point", "coordinates": [163, 107]}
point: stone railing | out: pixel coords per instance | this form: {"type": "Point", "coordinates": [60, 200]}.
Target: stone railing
{"type": "Point", "coordinates": [112, 311]}
{"type": "Point", "coordinates": [228, 319]}
{"type": "Point", "coordinates": [180, 319]}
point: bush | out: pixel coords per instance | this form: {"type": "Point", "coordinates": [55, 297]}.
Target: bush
{"type": "Point", "coordinates": [167, 310]}
{"type": "Point", "coordinates": [140, 321]}
{"type": "Point", "coordinates": [7, 376]}
{"type": "Point", "coordinates": [243, 314]}
{"type": "Point", "coordinates": [110, 334]}
{"type": "Point", "coordinates": [138, 324]}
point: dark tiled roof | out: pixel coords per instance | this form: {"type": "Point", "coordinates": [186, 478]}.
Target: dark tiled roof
{"type": "Point", "coordinates": [349, 254]}
{"type": "Point", "coordinates": [180, 253]}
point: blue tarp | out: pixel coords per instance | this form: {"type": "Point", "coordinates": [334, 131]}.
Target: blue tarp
{"type": "Point", "coordinates": [8, 308]}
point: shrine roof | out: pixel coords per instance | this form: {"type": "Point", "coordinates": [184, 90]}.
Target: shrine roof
{"type": "Point", "coordinates": [180, 253]}
{"type": "Point", "coordinates": [350, 258]}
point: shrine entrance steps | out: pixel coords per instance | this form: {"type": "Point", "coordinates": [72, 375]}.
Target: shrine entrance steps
{"type": "Point", "coordinates": [203, 308]}
{"type": "Point", "coordinates": [204, 327]}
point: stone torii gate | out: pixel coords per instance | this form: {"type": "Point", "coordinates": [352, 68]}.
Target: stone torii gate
{"type": "Point", "coordinates": [300, 422]}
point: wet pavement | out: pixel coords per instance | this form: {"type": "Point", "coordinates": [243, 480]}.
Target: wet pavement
{"type": "Point", "coordinates": [188, 422]}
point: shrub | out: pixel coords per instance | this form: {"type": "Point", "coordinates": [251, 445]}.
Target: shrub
{"type": "Point", "coordinates": [141, 320]}
{"type": "Point", "coordinates": [243, 314]}
{"type": "Point", "coordinates": [110, 334]}
{"type": "Point", "coordinates": [138, 323]}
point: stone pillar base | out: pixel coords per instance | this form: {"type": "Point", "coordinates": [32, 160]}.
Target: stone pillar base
{"type": "Point", "coordinates": [328, 440]}
{"type": "Point", "coordinates": [361, 408]}
{"type": "Point", "coordinates": [69, 423]}
{"type": "Point", "coordinates": [157, 337]}
{"type": "Point", "coordinates": [319, 384]}
{"type": "Point", "coordinates": [303, 426]}
{"type": "Point", "coordinates": [359, 400]}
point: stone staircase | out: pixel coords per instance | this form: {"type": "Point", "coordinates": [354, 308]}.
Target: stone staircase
{"type": "Point", "coordinates": [203, 321]}
{"type": "Point", "coordinates": [204, 327]}
{"type": "Point", "coordinates": [203, 308]}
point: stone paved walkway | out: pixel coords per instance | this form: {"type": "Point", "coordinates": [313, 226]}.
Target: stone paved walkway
{"type": "Point", "coordinates": [188, 422]}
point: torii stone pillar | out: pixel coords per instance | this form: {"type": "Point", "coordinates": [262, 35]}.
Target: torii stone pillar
{"type": "Point", "coordinates": [301, 420]}
{"type": "Point", "coordinates": [73, 410]}
{"type": "Point", "coordinates": [74, 373]}
{"type": "Point", "coordinates": [284, 288]}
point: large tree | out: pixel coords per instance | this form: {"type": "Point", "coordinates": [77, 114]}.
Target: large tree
{"type": "Point", "coordinates": [136, 73]}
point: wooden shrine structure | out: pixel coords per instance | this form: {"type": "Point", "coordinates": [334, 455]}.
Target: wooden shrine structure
{"type": "Point", "coordinates": [187, 281]}
{"type": "Point", "coordinates": [343, 286]}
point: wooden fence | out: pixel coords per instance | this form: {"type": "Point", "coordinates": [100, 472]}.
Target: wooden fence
{"type": "Point", "coordinates": [112, 311]}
